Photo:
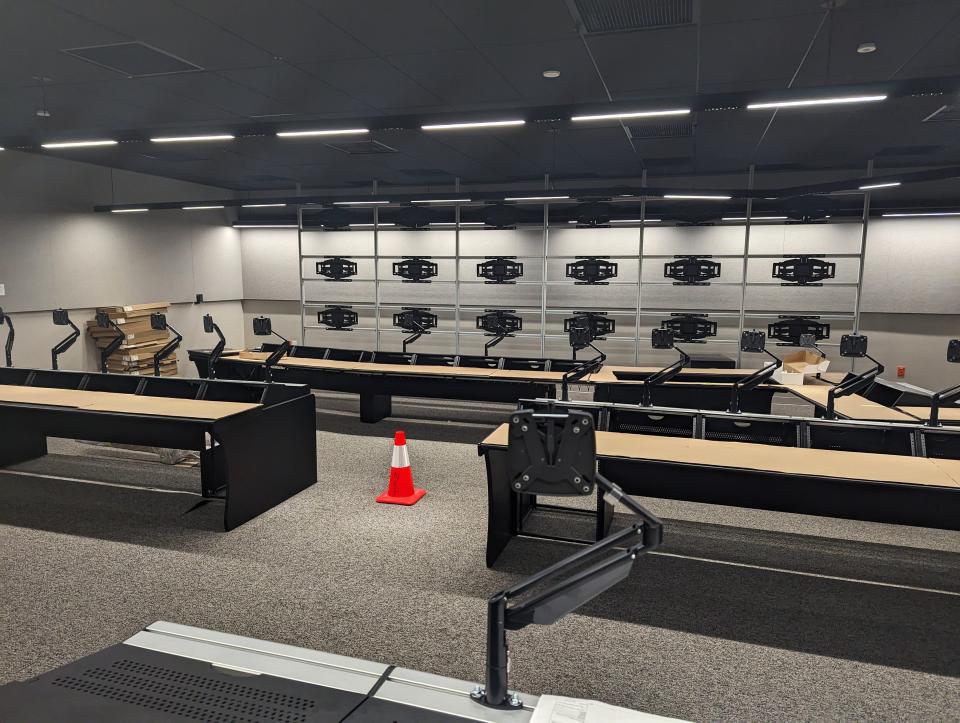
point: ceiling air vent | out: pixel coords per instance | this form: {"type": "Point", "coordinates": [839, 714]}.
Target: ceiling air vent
{"type": "Point", "coordinates": [135, 60]}
{"type": "Point", "coordinates": [949, 113]}
{"type": "Point", "coordinates": [610, 16]}
{"type": "Point", "coordinates": [669, 129]}
{"type": "Point", "coordinates": [361, 148]}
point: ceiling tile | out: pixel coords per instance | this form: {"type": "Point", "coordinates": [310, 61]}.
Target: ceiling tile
{"type": "Point", "coordinates": [523, 65]}
{"type": "Point", "coordinates": [507, 22]}
{"type": "Point", "coordinates": [658, 59]}
{"type": "Point", "coordinates": [457, 76]}
{"type": "Point", "coordinates": [296, 91]}
{"type": "Point", "coordinates": [375, 82]}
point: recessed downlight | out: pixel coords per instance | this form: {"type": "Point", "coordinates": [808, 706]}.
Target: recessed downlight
{"type": "Point", "coordinates": [865, 48]}
{"type": "Point", "coordinates": [551, 74]}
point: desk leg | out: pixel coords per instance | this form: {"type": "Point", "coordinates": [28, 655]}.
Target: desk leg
{"type": "Point", "coordinates": [20, 440]}
{"type": "Point", "coordinates": [374, 407]}
{"type": "Point", "coordinates": [604, 515]}
{"type": "Point", "coordinates": [269, 455]}
{"type": "Point", "coordinates": [502, 509]}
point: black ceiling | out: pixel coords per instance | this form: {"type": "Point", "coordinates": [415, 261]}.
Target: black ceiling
{"type": "Point", "coordinates": [390, 64]}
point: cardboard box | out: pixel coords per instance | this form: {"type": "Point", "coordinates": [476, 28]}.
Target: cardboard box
{"type": "Point", "coordinates": [800, 364]}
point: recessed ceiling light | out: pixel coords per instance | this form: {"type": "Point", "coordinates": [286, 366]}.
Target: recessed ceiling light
{"type": "Point", "coordinates": [696, 197]}
{"type": "Point", "coordinates": [128, 210]}
{"type": "Point", "coordinates": [921, 213]}
{"type": "Point", "coordinates": [871, 186]}
{"type": "Point", "coordinates": [330, 132]}
{"type": "Point", "coordinates": [200, 208]}
{"type": "Point", "coordinates": [77, 144]}
{"type": "Point", "coordinates": [638, 114]}
{"type": "Point", "coordinates": [444, 200]}
{"type": "Point", "coordinates": [481, 124]}
{"type": "Point", "coordinates": [817, 101]}
{"type": "Point", "coordinates": [865, 48]}
{"type": "Point", "coordinates": [191, 139]}
{"type": "Point", "coordinates": [263, 205]}
{"type": "Point", "coordinates": [536, 198]}
{"type": "Point", "coordinates": [551, 74]}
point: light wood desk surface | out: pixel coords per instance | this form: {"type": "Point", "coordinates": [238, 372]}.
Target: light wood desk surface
{"type": "Point", "coordinates": [122, 403]}
{"type": "Point", "coordinates": [948, 414]}
{"type": "Point", "coordinates": [852, 407]}
{"type": "Point", "coordinates": [771, 458]}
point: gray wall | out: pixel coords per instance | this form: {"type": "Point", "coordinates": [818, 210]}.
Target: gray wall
{"type": "Point", "coordinates": [54, 252]}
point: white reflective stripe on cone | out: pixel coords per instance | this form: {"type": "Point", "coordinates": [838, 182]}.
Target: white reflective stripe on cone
{"type": "Point", "coordinates": [400, 457]}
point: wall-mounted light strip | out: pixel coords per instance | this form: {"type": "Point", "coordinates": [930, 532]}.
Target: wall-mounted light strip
{"type": "Point", "coordinates": [129, 210]}
{"type": "Point", "coordinates": [871, 186]}
{"type": "Point", "coordinates": [536, 198]}
{"type": "Point", "coordinates": [360, 203]}
{"type": "Point", "coordinates": [77, 144]}
{"type": "Point", "coordinates": [200, 208]}
{"type": "Point", "coordinates": [695, 197]}
{"type": "Point", "coordinates": [265, 225]}
{"type": "Point", "coordinates": [817, 101]}
{"type": "Point", "coordinates": [482, 124]}
{"type": "Point", "coordinates": [263, 205]}
{"type": "Point", "coordinates": [192, 139]}
{"type": "Point", "coordinates": [444, 200]}
{"type": "Point", "coordinates": [918, 214]}
{"type": "Point", "coordinates": [325, 132]}
{"type": "Point", "coordinates": [754, 218]}
{"type": "Point", "coordinates": [638, 114]}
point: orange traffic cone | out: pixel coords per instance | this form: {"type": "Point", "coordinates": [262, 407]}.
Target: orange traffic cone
{"type": "Point", "coordinates": [401, 491]}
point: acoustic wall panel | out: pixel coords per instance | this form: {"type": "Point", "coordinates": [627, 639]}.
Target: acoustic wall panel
{"type": "Point", "coordinates": [688, 240]}
{"type": "Point", "coordinates": [417, 243]}
{"type": "Point", "coordinates": [336, 243]}
{"type": "Point", "coordinates": [493, 242]}
{"type": "Point", "coordinates": [574, 242]}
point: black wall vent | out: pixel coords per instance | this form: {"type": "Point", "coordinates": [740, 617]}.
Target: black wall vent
{"type": "Point", "coordinates": [610, 16]}
{"type": "Point", "coordinates": [361, 148]}
{"type": "Point", "coordinates": [133, 59]}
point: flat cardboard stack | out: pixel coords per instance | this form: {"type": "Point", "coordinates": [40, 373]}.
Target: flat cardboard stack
{"type": "Point", "coordinates": [798, 365]}
{"type": "Point", "coordinates": [142, 342]}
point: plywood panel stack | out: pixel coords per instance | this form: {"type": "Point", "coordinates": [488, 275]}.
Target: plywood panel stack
{"type": "Point", "coordinates": [142, 342]}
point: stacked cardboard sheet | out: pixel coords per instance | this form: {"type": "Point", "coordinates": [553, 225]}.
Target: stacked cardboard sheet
{"type": "Point", "coordinates": [141, 341]}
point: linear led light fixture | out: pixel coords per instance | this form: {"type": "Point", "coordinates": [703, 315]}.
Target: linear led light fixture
{"type": "Point", "coordinates": [199, 208]}
{"type": "Point", "coordinates": [265, 225]}
{"type": "Point", "coordinates": [77, 144]}
{"type": "Point", "coordinates": [536, 198]}
{"type": "Point", "coordinates": [192, 139]}
{"type": "Point", "coordinates": [638, 114]}
{"type": "Point", "coordinates": [696, 197]}
{"type": "Point", "coordinates": [481, 124]}
{"type": "Point", "coordinates": [921, 213]}
{"type": "Point", "coordinates": [454, 223]}
{"type": "Point", "coordinates": [128, 210]}
{"type": "Point", "coordinates": [327, 132]}
{"type": "Point", "coordinates": [370, 225]}
{"type": "Point", "coordinates": [263, 205]}
{"type": "Point", "coordinates": [754, 218]}
{"type": "Point", "coordinates": [871, 186]}
{"type": "Point", "coordinates": [444, 200]}
{"type": "Point", "coordinates": [633, 220]}
{"type": "Point", "coordinates": [360, 203]}
{"type": "Point", "coordinates": [816, 101]}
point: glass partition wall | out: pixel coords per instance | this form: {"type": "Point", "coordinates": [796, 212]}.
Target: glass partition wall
{"type": "Point", "coordinates": [444, 268]}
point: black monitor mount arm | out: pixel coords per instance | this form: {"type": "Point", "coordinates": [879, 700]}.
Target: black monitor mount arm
{"type": "Point", "coordinates": [418, 331]}
{"type": "Point", "coordinates": [663, 376]}
{"type": "Point", "coordinates": [754, 380]}
{"type": "Point", "coordinates": [275, 356]}
{"type": "Point", "coordinates": [534, 452]}
{"type": "Point", "coordinates": [499, 335]}
{"type": "Point", "coordinates": [953, 356]}
{"type": "Point", "coordinates": [8, 347]}
{"type": "Point", "coordinates": [167, 349]}
{"type": "Point", "coordinates": [105, 322]}
{"type": "Point", "coordinates": [591, 366]}
{"type": "Point", "coordinates": [854, 385]}
{"type": "Point", "coordinates": [60, 318]}
{"type": "Point", "coordinates": [209, 325]}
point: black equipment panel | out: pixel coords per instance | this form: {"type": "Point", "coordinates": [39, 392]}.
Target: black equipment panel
{"type": "Point", "coordinates": [499, 321]}
{"type": "Point", "coordinates": [953, 351]}
{"type": "Point", "coordinates": [804, 271]}
{"type": "Point", "coordinates": [338, 318]}
{"type": "Point", "coordinates": [415, 269]}
{"type": "Point", "coordinates": [500, 269]}
{"type": "Point", "coordinates": [853, 345]}
{"type": "Point", "coordinates": [689, 327]}
{"type": "Point", "coordinates": [591, 270]}
{"type": "Point", "coordinates": [691, 270]}
{"type": "Point", "coordinates": [598, 324]}
{"type": "Point", "coordinates": [337, 268]}
{"type": "Point", "coordinates": [415, 319]}
{"type": "Point", "coordinates": [789, 329]}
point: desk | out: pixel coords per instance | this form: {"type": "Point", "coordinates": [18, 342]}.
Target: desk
{"type": "Point", "coordinates": [709, 395]}
{"type": "Point", "coordinates": [949, 415]}
{"type": "Point", "coordinates": [853, 485]}
{"type": "Point", "coordinates": [254, 453]}
{"type": "Point", "coordinates": [377, 384]}
{"type": "Point", "coordinates": [849, 407]}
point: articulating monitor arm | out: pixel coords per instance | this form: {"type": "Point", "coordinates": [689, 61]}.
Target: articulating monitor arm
{"type": "Point", "coordinates": [8, 347]}
{"type": "Point", "coordinates": [663, 376]}
{"type": "Point", "coordinates": [953, 356]}
{"type": "Point", "coordinates": [168, 349]}
{"type": "Point", "coordinates": [853, 386]}
{"type": "Point", "coordinates": [61, 318]}
{"type": "Point", "coordinates": [590, 366]}
{"type": "Point", "coordinates": [754, 380]}
{"type": "Point", "coordinates": [105, 322]}
{"type": "Point", "coordinates": [210, 326]}
{"type": "Point", "coordinates": [418, 331]}
{"type": "Point", "coordinates": [275, 356]}
{"type": "Point", "coordinates": [556, 454]}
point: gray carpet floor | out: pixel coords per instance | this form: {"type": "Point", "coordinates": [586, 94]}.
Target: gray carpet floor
{"type": "Point", "coordinates": [742, 615]}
